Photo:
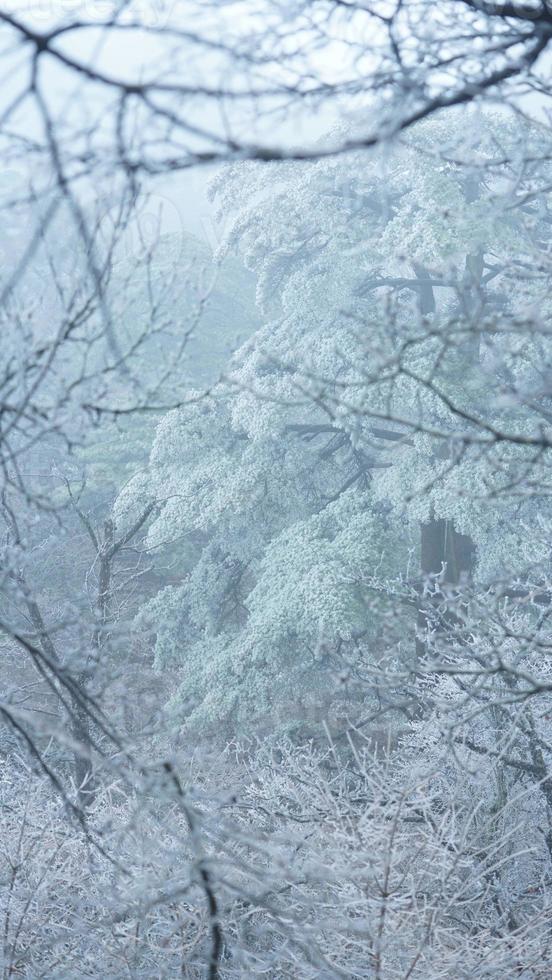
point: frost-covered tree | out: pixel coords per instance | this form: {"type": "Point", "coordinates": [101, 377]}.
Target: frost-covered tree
{"type": "Point", "coordinates": [394, 353]}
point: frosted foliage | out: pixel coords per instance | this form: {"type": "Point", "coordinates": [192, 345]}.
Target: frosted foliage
{"type": "Point", "coordinates": [132, 500]}
{"type": "Point", "coordinates": [256, 656]}
{"type": "Point", "coordinates": [422, 890]}
{"type": "Point", "coordinates": [312, 847]}
{"type": "Point", "coordinates": [312, 575]}
{"type": "Point", "coordinates": [212, 476]}
{"type": "Point", "coordinates": [67, 914]}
